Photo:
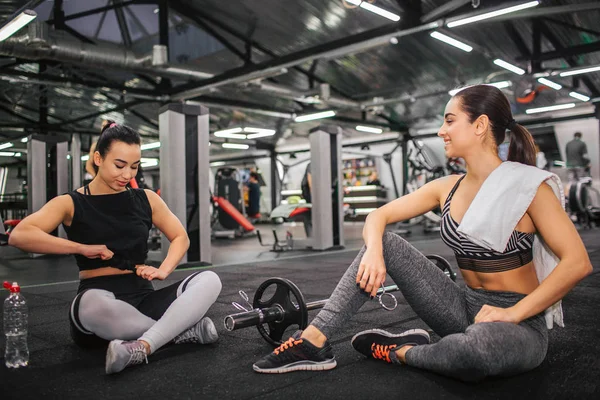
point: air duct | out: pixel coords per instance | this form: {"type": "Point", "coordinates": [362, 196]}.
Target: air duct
{"type": "Point", "coordinates": [38, 45]}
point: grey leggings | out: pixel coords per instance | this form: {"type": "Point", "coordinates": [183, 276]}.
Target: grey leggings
{"type": "Point", "coordinates": [467, 351]}
{"type": "Point", "coordinates": [109, 318]}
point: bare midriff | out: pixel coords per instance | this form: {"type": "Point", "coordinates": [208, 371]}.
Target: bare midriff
{"type": "Point", "coordinates": [104, 271]}
{"type": "Point", "coordinates": [520, 280]}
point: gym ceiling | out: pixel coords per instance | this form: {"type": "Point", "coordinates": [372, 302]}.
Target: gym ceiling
{"type": "Point", "coordinates": [264, 63]}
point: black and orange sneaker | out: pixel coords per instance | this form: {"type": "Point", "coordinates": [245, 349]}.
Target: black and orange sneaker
{"type": "Point", "coordinates": [296, 354]}
{"type": "Point", "coordinates": [380, 345]}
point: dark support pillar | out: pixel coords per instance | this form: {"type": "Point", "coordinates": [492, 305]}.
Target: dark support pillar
{"type": "Point", "coordinates": [275, 181]}
{"type": "Point", "coordinates": [405, 139]}
{"type": "Point", "coordinates": [163, 34]}
{"type": "Point", "coordinates": [536, 65]}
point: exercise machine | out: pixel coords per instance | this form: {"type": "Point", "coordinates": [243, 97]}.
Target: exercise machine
{"type": "Point", "coordinates": [228, 206]}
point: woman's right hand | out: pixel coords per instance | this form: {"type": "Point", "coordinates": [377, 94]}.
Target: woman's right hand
{"type": "Point", "coordinates": [96, 251]}
{"type": "Point", "coordinates": [371, 271]}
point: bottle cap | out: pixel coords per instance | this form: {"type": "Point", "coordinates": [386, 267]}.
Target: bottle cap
{"type": "Point", "coordinates": [14, 287]}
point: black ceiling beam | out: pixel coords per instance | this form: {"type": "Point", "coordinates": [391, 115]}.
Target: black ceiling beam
{"type": "Point", "coordinates": [444, 10]}
{"type": "Point", "coordinates": [216, 22]}
{"type": "Point", "coordinates": [87, 83]}
{"type": "Point", "coordinates": [535, 65]}
{"type": "Point", "coordinates": [515, 36]}
{"type": "Point", "coordinates": [568, 51]}
{"type": "Point", "coordinates": [122, 23]}
{"type": "Point", "coordinates": [76, 34]}
{"type": "Point", "coordinates": [12, 112]}
{"type": "Point", "coordinates": [559, 48]}
{"type": "Point", "coordinates": [291, 58]}
{"type": "Point", "coordinates": [99, 10]}
{"type": "Point", "coordinates": [134, 112]}
{"type": "Point", "coordinates": [137, 21]}
{"type": "Point", "coordinates": [571, 26]}
{"type": "Point", "coordinates": [96, 114]}
{"type": "Point", "coordinates": [189, 14]}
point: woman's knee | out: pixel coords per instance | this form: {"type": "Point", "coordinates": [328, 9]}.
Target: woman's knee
{"type": "Point", "coordinates": [392, 241]}
{"type": "Point", "coordinates": [209, 282]}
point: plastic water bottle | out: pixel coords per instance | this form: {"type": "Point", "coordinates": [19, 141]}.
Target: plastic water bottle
{"type": "Point", "coordinates": [15, 327]}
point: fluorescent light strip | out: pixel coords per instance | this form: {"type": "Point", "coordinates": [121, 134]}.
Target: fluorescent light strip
{"type": "Point", "coordinates": [579, 96]}
{"type": "Point", "coordinates": [5, 146]}
{"type": "Point", "coordinates": [580, 71]}
{"type": "Point", "coordinates": [19, 155]}
{"type": "Point", "coordinates": [369, 129]}
{"type": "Point", "coordinates": [13, 26]}
{"type": "Point", "coordinates": [499, 85]}
{"type": "Point", "coordinates": [260, 134]}
{"type": "Point", "coordinates": [230, 135]}
{"type": "Point", "coordinates": [310, 117]}
{"type": "Point", "coordinates": [508, 66]}
{"type": "Point", "coordinates": [550, 84]}
{"type": "Point", "coordinates": [550, 108]}
{"type": "Point", "coordinates": [233, 130]}
{"type": "Point", "coordinates": [259, 130]}
{"type": "Point", "coordinates": [492, 14]}
{"type": "Point", "coordinates": [380, 11]}
{"type": "Point", "coordinates": [85, 158]}
{"type": "Point", "coordinates": [149, 146]}
{"type": "Point", "coordinates": [24, 140]}
{"type": "Point", "coordinates": [452, 42]}
{"type": "Point", "coordinates": [235, 146]}
{"type": "Point", "coordinates": [6, 154]}
{"type": "Point", "coordinates": [354, 2]}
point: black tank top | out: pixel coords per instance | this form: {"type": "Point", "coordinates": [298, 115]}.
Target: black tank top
{"type": "Point", "coordinates": [120, 221]}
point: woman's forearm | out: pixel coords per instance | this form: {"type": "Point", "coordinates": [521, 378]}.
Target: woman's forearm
{"type": "Point", "coordinates": [33, 240]}
{"type": "Point", "coordinates": [373, 230]}
{"type": "Point", "coordinates": [177, 249]}
{"type": "Point", "coordinates": [564, 277]}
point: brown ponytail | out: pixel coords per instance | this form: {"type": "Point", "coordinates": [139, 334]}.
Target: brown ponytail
{"type": "Point", "coordinates": [522, 146]}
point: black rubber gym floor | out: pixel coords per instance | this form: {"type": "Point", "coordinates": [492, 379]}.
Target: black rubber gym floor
{"type": "Point", "coordinates": [59, 369]}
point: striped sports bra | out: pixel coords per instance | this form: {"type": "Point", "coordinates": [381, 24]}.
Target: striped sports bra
{"type": "Point", "coordinates": [473, 257]}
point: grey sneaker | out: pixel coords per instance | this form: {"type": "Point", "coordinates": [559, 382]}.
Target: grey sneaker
{"type": "Point", "coordinates": [121, 354]}
{"type": "Point", "coordinates": [204, 332]}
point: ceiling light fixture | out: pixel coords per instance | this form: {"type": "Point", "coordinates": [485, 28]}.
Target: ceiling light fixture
{"type": "Point", "coordinates": [550, 108]}
{"type": "Point", "coordinates": [580, 71]}
{"type": "Point", "coordinates": [311, 117]}
{"type": "Point", "coordinates": [508, 66]}
{"type": "Point", "coordinates": [235, 146]}
{"type": "Point", "coordinates": [550, 84]}
{"type": "Point", "coordinates": [369, 129]}
{"type": "Point", "coordinates": [148, 146]}
{"type": "Point", "coordinates": [451, 41]}
{"type": "Point", "coordinates": [5, 145]}
{"type": "Point", "coordinates": [380, 11]}
{"type": "Point", "coordinates": [492, 14]}
{"type": "Point", "coordinates": [499, 85]}
{"type": "Point", "coordinates": [579, 96]}
{"type": "Point", "coordinates": [17, 23]}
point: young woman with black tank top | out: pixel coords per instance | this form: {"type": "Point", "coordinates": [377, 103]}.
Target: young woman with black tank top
{"type": "Point", "coordinates": [107, 224]}
{"type": "Point", "coordinates": [495, 325]}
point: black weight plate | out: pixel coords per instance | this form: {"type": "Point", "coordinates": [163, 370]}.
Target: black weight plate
{"type": "Point", "coordinates": [443, 264]}
{"type": "Point", "coordinates": [293, 313]}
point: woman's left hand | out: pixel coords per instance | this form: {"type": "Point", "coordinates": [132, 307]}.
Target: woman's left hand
{"type": "Point", "coordinates": [150, 273]}
{"type": "Point", "coordinates": [496, 314]}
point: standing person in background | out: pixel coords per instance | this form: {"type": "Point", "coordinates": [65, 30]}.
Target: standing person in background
{"type": "Point", "coordinates": [253, 195]}
{"type": "Point", "coordinates": [577, 157]}
{"type": "Point", "coordinates": [374, 179]}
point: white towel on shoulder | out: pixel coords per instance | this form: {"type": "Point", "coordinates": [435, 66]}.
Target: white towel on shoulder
{"type": "Point", "coordinates": [501, 202]}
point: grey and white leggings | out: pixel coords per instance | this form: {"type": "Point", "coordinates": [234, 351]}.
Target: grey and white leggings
{"type": "Point", "coordinates": [466, 351]}
{"type": "Point", "coordinates": [127, 307]}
